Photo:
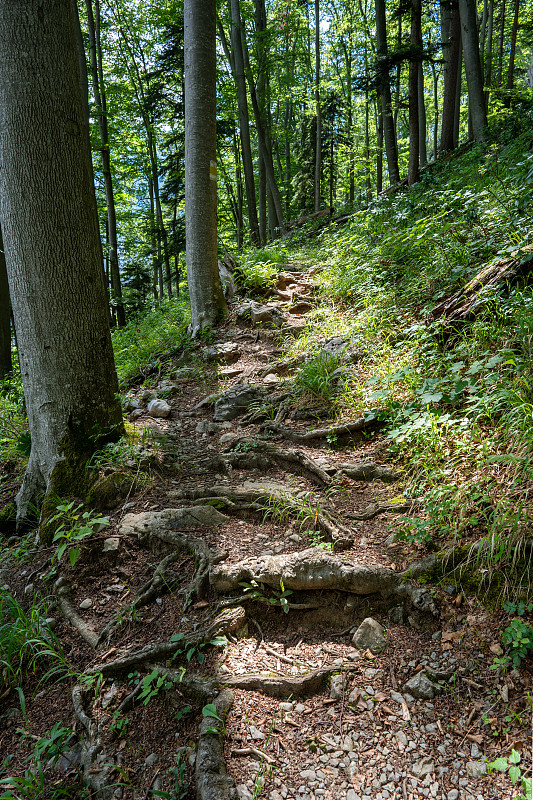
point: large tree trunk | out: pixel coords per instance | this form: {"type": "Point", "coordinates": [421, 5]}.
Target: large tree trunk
{"type": "Point", "coordinates": [58, 296]}
{"type": "Point", "coordinates": [474, 74]}
{"type": "Point", "coordinates": [389, 132]}
{"type": "Point", "coordinates": [97, 74]}
{"type": "Point", "coordinates": [244, 121]}
{"type": "Point", "coordinates": [318, 112]}
{"type": "Point", "coordinates": [451, 41]}
{"type": "Point", "coordinates": [413, 175]}
{"type": "Point", "coordinates": [512, 51]}
{"type": "Point", "coordinates": [422, 118]}
{"type": "Point", "coordinates": [207, 299]}
{"type": "Point", "coordinates": [5, 316]}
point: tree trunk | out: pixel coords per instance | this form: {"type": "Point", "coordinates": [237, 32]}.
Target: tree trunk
{"type": "Point", "coordinates": [244, 121]}
{"type": "Point", "coordinates": [59, 305]}
{"type": "Point", "coordinates": [207, 300]}
{"type": "Point", "coordinates": [458, 94]}
{"type": "Point", "coordinates": [379, 158]}
{"type": "Point", "coordinates": [413, 175]}
{"type": "Point", "coordinates": [389, 132]}
{"type": "Point", "coordinates": [97, 74]}
{"type": "Point", "coordinates": [451, 40]}
{"type": "Point", "coordinates": [5, 316]}
{"type": "Point", "coordinates": [422, 120]}
{"type": "Point", "coordinates": [500, 47]}
{"type": "Point", "coordinates": [318, 111]}
{"type": "Point", "coordinates": [489, 57]}
{"type": "Point", "coordinates": [474, 74]}
{"type": "Point", "coordinates": [512, 51]}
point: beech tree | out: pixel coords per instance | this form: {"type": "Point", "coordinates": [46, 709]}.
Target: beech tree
{"type": "Point", "coordinates": [5, 316]}
{"type": "Point", "coordinates": [53, 252]}
{"type": "Point", "coordinates": [207, 300]}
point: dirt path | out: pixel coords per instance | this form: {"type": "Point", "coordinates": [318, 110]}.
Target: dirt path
{"type": "Point", "coordinates": [277, 496]}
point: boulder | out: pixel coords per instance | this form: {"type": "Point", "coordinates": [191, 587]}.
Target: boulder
{"type": "Point", "coordinates": [159, 408]}
{"type": "Point", "coordinates": [227, 352]}
{"type": "Point", "coordinates": [236, 402]}
{"type": "Point", "coordinates": [370, 635]}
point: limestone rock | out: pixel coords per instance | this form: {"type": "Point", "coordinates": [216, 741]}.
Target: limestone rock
{"type": "Point", "coordinates": [140, 524]}
{"type": "Point", "coordinates": [370, 636]}
{"type": "Point", "coordinates": [227, 352]}
{"type": "Point", "coordinates": [423, 767]}
{"type": "Point", "coordinates": [422, 687]}
{"type": "Point", "coordinates": [159, 409]}
{"type": "Point", "coordinates": [111, 545]}
{"type": "Point", "coordinates": [235, 402]}
{"type": "Point", "coordinates": [476, 769]}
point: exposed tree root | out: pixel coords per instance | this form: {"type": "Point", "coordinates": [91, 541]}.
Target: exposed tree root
{"type": "Point", "coordinates": [212, 779]}
{"type": "Point", "coordinates": [281, 686]}
{"type": "Point", "coordinates": [368, 471]}
{"type": "Point", "coordinates": [227, 622]}
{"type": "Point", "coordinates": [309, 437]}
{"type": "Point", "coordinates": [293, 461]}
{"type": "Point", "coordinates": [375, 509]}
{"type": "Point", "coordinates": [269, 497]}
{"type": "Point", "coordinates": [66, 608]}
{"type": "Point", "coordinates": [311, 569]}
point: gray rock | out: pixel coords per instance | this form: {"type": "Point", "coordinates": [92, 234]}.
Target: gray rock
{"type": "Point", "coordinates": [338, 686]}
{"type": "Point", "coordinates": [208, 427]}
{"type": "Point", "coordinates": [476, 769]}
{"type": "Point", "coordinates": [453, 794]}
{"type": "Point", "coordinates": [142, 524]}
{"type": "Point", "coordinates": [185, 374]}
{"type": "Point", "coordinates": [421, 687]}
{"type": "Point", "coordinates": [265, 315]}
{"type": "Point", "coordinates": [243, 793]}
{"type": "Point", "coordinates": [370, 635]}
{"type": "Point", "coordinates": [236, 401]}
{"type": "Point", "coordinates": [85, 604]}
{"type": "Point", "coordinates": [111, 545]}
{"type": "Point", "coordinates": [227, 352]}
{"type": "Point", "coordinates": [423, 767]}
{"type": "Point", "coordinates": [151, 760]}
{"type": "Point", "coordinates": [29, 588]}
{"type": "Point", "coordinates": [396, 615]}
{"type": "Point", "coordinates": [256, 734]}
{"type": "Point", "coordinates": [159, 409]}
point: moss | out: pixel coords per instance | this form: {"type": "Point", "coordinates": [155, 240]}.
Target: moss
{"type": "Point", "coordinates": [70, 479]}
{"type": "Point", "coordinates": [110, 490]}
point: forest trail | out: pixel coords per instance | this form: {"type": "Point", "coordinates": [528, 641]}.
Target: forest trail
{"type": "Point", "coordinates": [280, 519]}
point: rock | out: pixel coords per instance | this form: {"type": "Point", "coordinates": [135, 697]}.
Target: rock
{"type": "Point", "coordinates": [111, 545]}
{"type": "Point", "coordinates": [230, 372]}
{"type": "Point", "coordinates": [236, 401]}
{"type": "Point", "coordinates": [476, 769]}
{"type": "Point", "coordinates": [396, 615]}
{"type": "Point", "coordinates": [295, 329]}
{"type": "Point", "coordinates": [109, 696]}
{"type": "Point", "coordinates": [109, 491]}
{"type": "Point", "coordinates": [194, 516]}
{"type": "Point", "coordinates": [301, 308]}
{"type": "Point", "coordinates": [227, 352]}
{"type": "Point", "coordinates": [299, 708]}
{"type": "Point", "coordinates": [453, 794]}
{"type": "Point", "coordinates": [334, 346]}
{"type": "Point", "coordinates": [208, 427]}
{"type": "Point", "coordinates": [226, 438]}
{"type": "Point", "coordinates": [256, 734]}
{"type": "Point", "coordinates": [167, 386]}
{"type": "Point", "coordinates": [423, 767]}
{"type": "Point", "coordinates": [185, 374]}
{"type": "Point", "coordinates": [286, 706]}
{"type": "Point", "coordinates": [136, 414]}
{"type": "Point", "coordinates": [243, 793]}
{"type": "Point", "coordinates": [29, 589]}
{"type": "Point", "coordinates": [370, 635]}
{"type": "Point", "coordinates": [159, 409]}
{"type": "Point", "coordinates": [338, 685]}
{"type": "Point", "coordinates": [85, 604]}
{"type": "Point", "coordinates": [265, 315]}
{"type": "Point", "coordinates": [270, 379]}
{"type": "Point", "coordinates": [422, 687]}
{"type": "Point", "coordinates": [151, 760]}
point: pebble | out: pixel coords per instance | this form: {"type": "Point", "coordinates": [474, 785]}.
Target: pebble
{"type": "Point", "coordinates": [85, 604]}
{"type": "Point", "coordinates": [256, 734]}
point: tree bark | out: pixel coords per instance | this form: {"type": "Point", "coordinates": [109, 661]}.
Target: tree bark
{"type": "Point", "coordinates": [451, 40]}
{"type": "Point", "coordinates": [422, 119]}
{"type": "Point", "coordinates": [207, 299]}
{"type": "Point", "coordinates": [474, 74]}
{"type": "Point", "coordinates": [413, 175]}
{"type": "Point", "coordinates": [389, 131]}
{"type": "Point", "coordinates": [58, 296]}
{"type": "Point", "coordinates": [512, 51]}
{"type": "Point", "coordinates": [5, 316]}
{"type": "Point", "coordinates": [97, 74]}
{"type": "Point", "coordinates": [318, 112]}
{"type": "Point", "coordinates": [244, 120]}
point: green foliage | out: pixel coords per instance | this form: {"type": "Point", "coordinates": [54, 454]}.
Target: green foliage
{"type": "Point", "coordinates": [511, 766]}
{"type": "Point", "coordinates": [316, 539]}
{"type": "Point", "coordinates": [143, 345]}
{"type": "Point", "coordinates": [74, 525]}
{"type": "Point", "coordinates": [317, 376]}
{"type": "Point", "coordinates": [178, 775]}
{"type": "Point", "coordinates": [273, 597]}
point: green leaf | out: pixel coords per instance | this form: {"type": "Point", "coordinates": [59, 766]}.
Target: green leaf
{"type": "Point", "coordinates": [177, 637]}
{"type": "Point", "coordinates": [514, 774]}
{"type": "Point", "coordinates": [500, 764]}
{"type": "Point", "coordinates": [514, 758]}
{"type": "Point", "coordinates": [210, 710]}
{"type": "Point", "coordinates": [74, 554]}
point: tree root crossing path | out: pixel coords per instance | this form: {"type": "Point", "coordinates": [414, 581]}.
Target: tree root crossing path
{"type": "Point", "coordinates": [257, 576]}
